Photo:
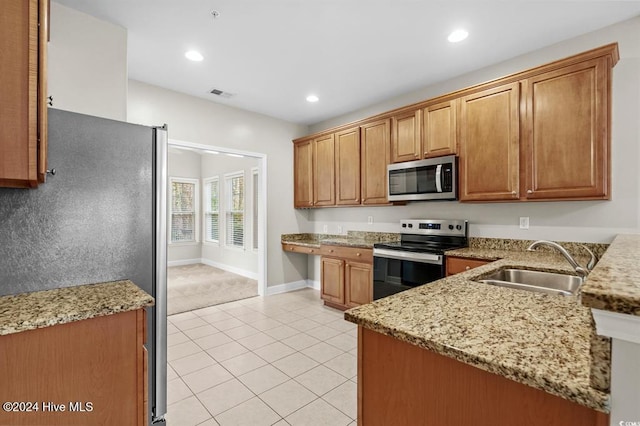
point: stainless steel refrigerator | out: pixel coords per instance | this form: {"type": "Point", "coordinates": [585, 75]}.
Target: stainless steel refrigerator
{"type": "Point", "coordinates": [101, 217]}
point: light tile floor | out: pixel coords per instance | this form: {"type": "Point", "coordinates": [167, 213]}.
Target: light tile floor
{"type": "Point", "coordinates": [278, 360]}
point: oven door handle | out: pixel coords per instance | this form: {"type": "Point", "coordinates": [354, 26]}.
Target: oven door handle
{"type": "Point", "coordinates": [435, 259]}
{"type": "Point", "coordinates": [439, 178]}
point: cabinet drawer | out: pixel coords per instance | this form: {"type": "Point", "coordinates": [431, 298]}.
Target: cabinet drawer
{"type": "Point", "coordinates": [354, 253]}
{"type": "Point", "coordinates": [456, 265]}
{"type": "Point", "coordinates": [300, 249]}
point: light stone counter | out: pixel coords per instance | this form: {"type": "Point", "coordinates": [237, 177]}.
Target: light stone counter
{"type": "Point", "coordinates": [614, 284]}
{"type": "Point", "coordinates": [540, 340]}
{"type": "Point", "coordinates": [28, 311]}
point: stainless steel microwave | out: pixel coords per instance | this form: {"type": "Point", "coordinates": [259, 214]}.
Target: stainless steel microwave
{"type": "Point", "coordinates": [430, 179]}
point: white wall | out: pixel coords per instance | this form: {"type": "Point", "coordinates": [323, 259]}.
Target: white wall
{"type": "Point", "coordinates": [244, 259]}
{"type": "Point", "coordinates": [87, 69]}
{"type": "Point", "coordinates": [184, 164]}
{"type": "Point", "coordinates": [590, 221]}
{"type": "Point", "coordinates": [199, 121]}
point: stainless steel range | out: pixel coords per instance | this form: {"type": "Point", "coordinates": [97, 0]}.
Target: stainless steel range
{"type": "Point", "coordinates": [418, 258]}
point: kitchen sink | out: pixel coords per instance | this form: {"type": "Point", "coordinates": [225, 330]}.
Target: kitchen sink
{"type": "Point", "coordinates": [537, 281]}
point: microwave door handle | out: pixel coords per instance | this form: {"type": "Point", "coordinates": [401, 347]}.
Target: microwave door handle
{"type": "Point", "coordinates": [439, 178]}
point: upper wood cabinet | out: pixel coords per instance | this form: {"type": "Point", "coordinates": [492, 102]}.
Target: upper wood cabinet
{"type": "Point", "coordinates": [324, 189]}
{"type": "Point", "coordinates": [374, 158]}
{"type": "Point", "coordinates": [439, 129]}
{"type": "Point", "coordinates": [489, 137]}
{"type": "Point", "coordinates": [303, 173]}
{"type": "Point", "coordinates": [348, 167]}
{"type": "Point", "coordinates": [23, 110]}
{"type": "Point", "coordinates": [566, 141]}
{"type": "Point", "coordinates": [540, 134]}
{"type": "Point", "coordinates": [405, 139]}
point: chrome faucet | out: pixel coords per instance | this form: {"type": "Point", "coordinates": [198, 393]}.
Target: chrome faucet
{"type": "Point", "coordinates": [583, 272]}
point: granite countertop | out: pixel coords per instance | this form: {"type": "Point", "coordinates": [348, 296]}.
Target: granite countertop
{"type": "Point", "coordinates": [358, 239]}
{"type": "Point", "coordinates": [614, 284]}
{"type": "Point", "coordinates": [540, 340]}
{"type": "Point", "coordinates": [28, 311]}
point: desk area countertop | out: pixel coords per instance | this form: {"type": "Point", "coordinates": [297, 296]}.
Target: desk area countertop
{"type": "Point", "coordinates": [28, 311]}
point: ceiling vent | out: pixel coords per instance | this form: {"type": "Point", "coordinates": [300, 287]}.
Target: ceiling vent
{"type": "Point", "coordinates": [221, 93]}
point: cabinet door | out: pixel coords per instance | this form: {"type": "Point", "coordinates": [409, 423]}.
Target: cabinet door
{"type": "Point", "coordinates": [324, 184]}
{"type": "Point", "coordinates": [19, 91]}
{"type": "Point", "coordinates": [439, 131]}
{"type": "Point", "coordinates": [348, 167]}
{"type": "Point", "coordinates": [43, 39]}
{"type": "Point", "coordinates": [489, 138]}
{"type": "Point", "coordinates": [303, 174]}
{"type": "Point", "coordinates": [567, 144]}
{"type": "Point", "coordinates": [332, 280]}
{"type": "Point", "coordinates": [374, 158]}
{"type": "Point", "coordinates": [358, 284]}
{"type": "Point", "coordinates": [405, 139]}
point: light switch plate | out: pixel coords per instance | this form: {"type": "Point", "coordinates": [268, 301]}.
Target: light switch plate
{"type": "Point", "coordinates": [524, 222]}
{"type": "Point", "coordinates": [370, 220]}
{"type": "Point", "coordinates": [325, 229]}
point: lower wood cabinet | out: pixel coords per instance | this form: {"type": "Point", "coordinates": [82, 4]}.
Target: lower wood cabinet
{"type": "Point", "coordinates": [403, 384]}
{"type": "Point", "coordinates": [346, 276]}
{"type": "Point", "coordinates": [88, 372]}
{"type": "Point", "coordinates": [455, 265]}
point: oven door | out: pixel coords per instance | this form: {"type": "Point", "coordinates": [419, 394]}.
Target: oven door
{"type": "Point", "coordinates": [396, 270]}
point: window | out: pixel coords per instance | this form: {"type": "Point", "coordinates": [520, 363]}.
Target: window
{"type": "Point", "coordinates": [256, 191]}
{"type": "Point", "coordinates": [234, 195]}
{"type": "Point", "coordinates": [183, 210]}
{"type": "Point", "coordinates": [212, 210]}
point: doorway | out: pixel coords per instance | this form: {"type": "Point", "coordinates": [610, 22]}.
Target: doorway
{"type": "Point", "coordinates": [217, 217]}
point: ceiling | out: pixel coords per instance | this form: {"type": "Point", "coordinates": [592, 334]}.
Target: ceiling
{"type": "Point", "coordinates": [351, 53]}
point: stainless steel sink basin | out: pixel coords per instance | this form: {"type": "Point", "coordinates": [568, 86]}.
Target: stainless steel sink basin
{"type": "Point", "coordinates": [541, 282]}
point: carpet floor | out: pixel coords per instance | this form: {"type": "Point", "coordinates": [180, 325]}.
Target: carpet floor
{"type": "Point", "coordinates": [197, 286]}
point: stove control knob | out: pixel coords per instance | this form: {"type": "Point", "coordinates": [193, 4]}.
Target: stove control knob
{"type": "Point", "coordinates": [458, 227]}
{"type": "Point", "coordinates": [411, 225]}
{"type": "Point", "coordinates": [404, 225]}
{"type": "Point", "coordinates": [450, 226]}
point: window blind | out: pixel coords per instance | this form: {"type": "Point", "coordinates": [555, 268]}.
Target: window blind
{"type": "Point", "coordinates": [256, 191]}
{"type": "Point", "coordinates": [235, 210]}
{"type": "Point", "coordinates": [183, 211]}
{"type": "Point", "coordinates": [212, 209]}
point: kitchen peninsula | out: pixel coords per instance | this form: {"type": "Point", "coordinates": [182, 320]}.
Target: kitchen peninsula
{"type": "Point", "coordinates": [461, 352]}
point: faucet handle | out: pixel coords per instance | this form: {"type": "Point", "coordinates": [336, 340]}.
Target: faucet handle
{"type": "Point", "coordinates": [592, 261]}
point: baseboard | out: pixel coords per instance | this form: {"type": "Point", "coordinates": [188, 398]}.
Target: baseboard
{"type": "Point", "coordinates": [313, 284]}
{"type": "Point", "coordinates": [183, 262]}
{"type": "Point", "coordinates": [292, 286]}
{"type": "Point", "coordinates": [239, 271]}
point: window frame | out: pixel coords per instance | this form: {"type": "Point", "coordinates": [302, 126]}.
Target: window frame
{"type": "Point", "coordinates": [196, 210]}
{"type": "Point", "coordinates": [228, 200]}
{"type": "Point", "coordinates": [205, 211]}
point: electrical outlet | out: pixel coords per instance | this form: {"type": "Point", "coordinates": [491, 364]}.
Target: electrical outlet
{"type": "Point", "coordinates": [339, 229]}
{"type": "Point", "coordinates": [325, 229]}
{"type": "Point", "coordinates": [370, 220]}
{"type": "Point", "coordinates": [524, 222]}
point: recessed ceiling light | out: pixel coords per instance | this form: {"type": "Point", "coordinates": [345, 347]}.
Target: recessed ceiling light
{"type": "Point", "coordinates": [193, 55]}
{"type": "Point", "coordinates": [312, 98]}
{"type": "Point", "coordinates": [458, 35]}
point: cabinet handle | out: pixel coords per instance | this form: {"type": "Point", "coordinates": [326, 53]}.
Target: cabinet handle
{"type": "Point", "coordinates": [357, 200]}
{"type": "Point", "coordinates": [310, 250]}
{"type": "Point", "coordinates": [331, 251]}
{"type": "Point", "coordinates": [514, 193]}
{"type": "Point", "coordinates": [357, 254]}
{"type": "Point", "coordinates": [529, 191]}
{"type": "Point", "coordinates": [50, 100]}
{"type": "Point", "coordinates": [467, 267]}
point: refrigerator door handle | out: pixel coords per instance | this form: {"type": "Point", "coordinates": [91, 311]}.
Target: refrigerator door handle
{"type": "Point", "coordinates": [161, 209]}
